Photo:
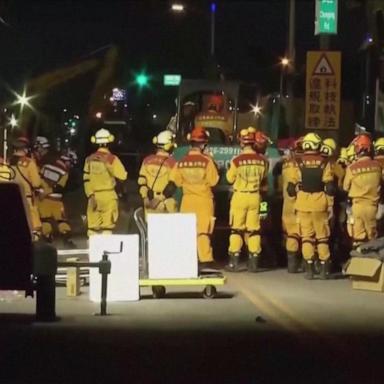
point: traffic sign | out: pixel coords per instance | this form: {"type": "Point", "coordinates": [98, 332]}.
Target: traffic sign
{"type": "Point", "coordinates": [326, 17]}
{"type": "Point", "coordinates": [322, 99]}
{"type": "Point", "coordinates": [323, 67]}
{"type": "Point", "coordinates": [171, 80]}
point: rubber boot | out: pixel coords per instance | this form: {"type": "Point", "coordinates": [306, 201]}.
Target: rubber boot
{"type": "Point", "coordinates": [324, 270]}
{"type": "Point", "coordinates": [293, 262]}
{"type": "Point", "coordinates": [309, 270]}
{"type": "Point", "coordinates": [233, 265]}
{"type": "Point", "coordinates": [253, 262]}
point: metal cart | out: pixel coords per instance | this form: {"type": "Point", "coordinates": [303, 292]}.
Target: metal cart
{"type": "Point", "coordinates": [209, 279]}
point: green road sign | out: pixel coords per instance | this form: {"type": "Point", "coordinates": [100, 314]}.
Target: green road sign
{"type": "Point", "coordinates": [171, 80]}
{"type": "Point", "coordinates": [326, 17]}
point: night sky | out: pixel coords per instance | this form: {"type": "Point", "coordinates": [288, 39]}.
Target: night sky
{"type": "Point", "coordinates": [251, 37]}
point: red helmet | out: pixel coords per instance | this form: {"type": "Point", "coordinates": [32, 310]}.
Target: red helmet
{"type": "Point", "coordinates": [199, 135]}
{"type": "Point", "coordinates": [298, 144]}
{"type": "Point", "coordinates": [21, 142]}
{"type": "Point", "coordinates": [261, 141]}
{"type": "Point", "coordinates": [247, 136]}
{"type": "Point", "coordinates": [362, 144]}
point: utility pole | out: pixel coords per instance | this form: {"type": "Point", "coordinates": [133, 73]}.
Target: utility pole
{"type": "Point", "coordinates": [213, 12]}
{"type": "Point", "coordinates": [291, 53]}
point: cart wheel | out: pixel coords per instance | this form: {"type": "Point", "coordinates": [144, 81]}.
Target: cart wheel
{"type": "Point", "coordinates": [209, 292]}
{"type": "Point", "coordinates": [158, 291]}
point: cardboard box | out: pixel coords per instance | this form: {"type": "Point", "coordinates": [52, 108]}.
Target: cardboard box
{"type": "Point", "coordinates": [73, 280]}
{"type": "Point", "coordinates": [366, 273]}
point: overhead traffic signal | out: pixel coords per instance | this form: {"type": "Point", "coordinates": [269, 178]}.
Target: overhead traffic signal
{"type": "Point", "coordinates": [142, 80]}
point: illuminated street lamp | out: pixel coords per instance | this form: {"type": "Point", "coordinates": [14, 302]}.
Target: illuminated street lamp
{"type": "Point", "coordinates": [13, 121]}
{"type": "Point", "coordinates": [23, 100]}
{"type": "Point", "coordinates": [284, 64]}
{"type": "Point", "coordinates": [256, 109]}
{"type": "Point", "coordinates": [177, 7]}
{"type": "Point", "coordinates": [98, 115]}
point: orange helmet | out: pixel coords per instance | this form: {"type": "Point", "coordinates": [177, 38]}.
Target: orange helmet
{"type": "Point", "coordinates": [261, 141]}
{"type": "Point", "coordinates": [247, 136]}
{"type": "Point", "coordinates": [362, 144]}
{"type": "Point", "coordinates": [199, 135]}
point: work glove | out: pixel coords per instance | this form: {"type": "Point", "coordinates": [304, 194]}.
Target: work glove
{"type": "Point", "coordinates": [151, 204]}
{"type": "Point", "coordinates": [330, 213]}
{"type": "Point", "coordinates": [150, 194]}
{"type": "Point", "coordinates": [169, 190]}
{"type": "Point", "coordinates": [380, 212]}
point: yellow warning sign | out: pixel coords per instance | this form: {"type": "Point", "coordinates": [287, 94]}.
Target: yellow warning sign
{"type": "Point", "coordinates": [322, 96]}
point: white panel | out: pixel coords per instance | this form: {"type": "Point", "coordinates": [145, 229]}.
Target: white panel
{"type": "Point", "coordinates": [172, 250]}
{"type": "Point", "coordinates": [123, 281]}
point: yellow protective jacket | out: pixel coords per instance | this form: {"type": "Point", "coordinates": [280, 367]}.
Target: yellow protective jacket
{"type": "Point", "coordinates": [155, 173]}
{"type": "Point", "coordinates": [6, 173]}
{"type": "Point", "coordinates": [248, 172]}
{"type": "Point", "coordinates": [312, 174]}
{"type": "Point", "coordinates": [363, 180]}
{"type": "Point", "coordinates": [196, 174]}
{"type": "Point", "coordinates": [339, 171]}
{"type": "Point", "coordinates": [26, 173]}
{"type": "Point", "coordinates": [287, 174]}
{"type": "Point", "coordinates": [54, 179]}
{"type": "Point", "coordinates": [101, 169]}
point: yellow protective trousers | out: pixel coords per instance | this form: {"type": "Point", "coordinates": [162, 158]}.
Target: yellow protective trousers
{"type": "Point", "coordinates": [362, 225]}
{"type": "Point", "coordinates": [53, 211]}
{"type": "Point", "coordinates": [102, 213]}
{"type": "Point", "coordinates": [245, 221]}
{"type": "Point", "coordinates": [291, 230]}
{"type": "Point", "coordinates": [314, 231]}
{"type": "Point", "coordinates": [204, 209]}
{"type": "Point", "coordinates": [34, 216]}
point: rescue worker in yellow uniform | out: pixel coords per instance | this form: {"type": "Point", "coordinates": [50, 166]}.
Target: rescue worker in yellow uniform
{"type": "Point", "coordinates": [312, 184]}
{"type": "Point", "coordinates": [378, 146]}
{"type": "Point", "coordinates": [362, 182]}
{"type": "Point", "coordinates": [247, 173]}
{"type": "Point", "coordinates": [351, 154]}
{"type": "Point", "coordinates": [156, 189]}
{"type": "Point", "coordinates": [101, 170]}
{"type": "Point", "coordinates": [51, 207]}
{"type": "Point", "coordinates": [27, 175]}
{"type": "Point", "coordinates": [42, 152]}
{"type": "Point", "coordinates": [289, 219]}
{"type": "Point", "coordinates": [6, 172]}
{"type": "Point", "coordinates": [196, 174]}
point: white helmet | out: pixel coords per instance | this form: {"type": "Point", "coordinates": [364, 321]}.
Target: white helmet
{"type": "Point", "coordinates": [102, 136]}
{"type": "Point", "coordinates": [42, 142]}
{"type": "Point", "coordinates": [165, 140]}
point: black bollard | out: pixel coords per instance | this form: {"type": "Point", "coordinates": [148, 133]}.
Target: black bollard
{"type": "Point", "coordinates": [104, 270]}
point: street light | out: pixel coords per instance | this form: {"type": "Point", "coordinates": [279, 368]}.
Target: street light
{"type": "Point", "coordinates": [177, 7]}
{"type": "Point", "coordinates": [256, 109]}
{"type": "Point", "coordinates": [180, 8]}
{"type": "Point", "coordinates": [284, 64]}
{"type": "Point", "coordinates": [13, 121]}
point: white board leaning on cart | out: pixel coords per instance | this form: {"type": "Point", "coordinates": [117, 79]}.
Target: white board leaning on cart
{"type": "Point", "coordinates": [172, 248]}
{"type": "Point", "coordinates": [123, 281]}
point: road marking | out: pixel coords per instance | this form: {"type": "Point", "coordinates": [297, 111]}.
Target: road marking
{"type": "Point", "coordinates": [281, 314]}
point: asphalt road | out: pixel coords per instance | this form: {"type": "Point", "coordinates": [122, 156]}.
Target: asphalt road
{"type": "Point", "coordinates": [264, 327]}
